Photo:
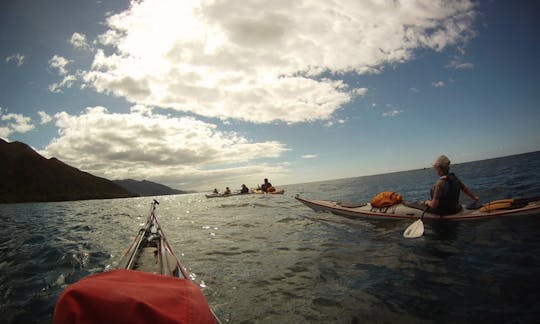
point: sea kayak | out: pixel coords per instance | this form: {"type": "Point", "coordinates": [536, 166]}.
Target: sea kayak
{"type": "Point", "coordinates": [407, 210]}
{"type": "Point", "coordinates": [251, 192]}
{"type": "Point", "coordinates": [277, 192]}
{"type": "Point", "coordinates": [149, 285]}
{"type": "Point", "coordinates": [227, 195]}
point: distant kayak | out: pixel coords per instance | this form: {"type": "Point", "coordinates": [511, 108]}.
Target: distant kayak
{"type": "Point", "coordinates": [277, 192]}
{"type": "Point", "coordinates": [228, 195]}
{"type": "Point", "coordinates": [251, 192]}
{"type": "Point", "coordinates": [506, 207]}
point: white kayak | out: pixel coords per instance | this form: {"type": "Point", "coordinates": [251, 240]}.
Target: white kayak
{"type": "Point", "coordinates": [227, 195]}
{"type": "Point", "coordinates": [516, 207]}
{"type": "Point", "coordinates": [260, 192]}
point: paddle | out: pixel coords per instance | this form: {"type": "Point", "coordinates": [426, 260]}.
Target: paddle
{"type": "Point", "coordinates": [416, 229]}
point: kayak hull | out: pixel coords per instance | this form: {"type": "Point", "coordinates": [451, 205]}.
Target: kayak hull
{"type": "Point", "coordinates": [226, 196]}
{"type": "Point", "coordinates": [401, 211]}
{"type": "Point", "coordinates": [252, 192]}
{"type": "Point", "coordinates": [277, 192]}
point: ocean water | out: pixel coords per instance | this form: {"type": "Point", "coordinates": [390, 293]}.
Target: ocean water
{"type": "Point", "coordinates": [270, 259]}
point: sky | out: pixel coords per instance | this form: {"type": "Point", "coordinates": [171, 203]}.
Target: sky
{"type": "Point", "coordinates": [206, 94]}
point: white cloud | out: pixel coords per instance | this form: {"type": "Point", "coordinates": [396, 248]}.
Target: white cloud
{"type": "Point", "coordinates": [438, 84]}
{"type": "Point", "coordinates": [263, 61]}
{"type": "Point", "coordinates": [392, 113]}
{"type": "Point", "coordinates": [5, 132]}
{"type": "Point", "coordinates": [309, 156]}
{"type": "Point", "coordinates": [17, 58]}
{"type": "Point", "coordinates": [458, 65]}
{"type": "Point", "coordinates": [67, 82]}
{"type": "Point", "coordinates": [59, 63]}
{"type": "Point", "coordinates": [360, 91]}
{"type": "Point", "coordinates": [14, 123]}
{"type": "Point", "coordinates": [144, 145]}
{"type": "Point", "coordinates": [45, 118]}
{"type": "Point", "coordinates": [79, 41]}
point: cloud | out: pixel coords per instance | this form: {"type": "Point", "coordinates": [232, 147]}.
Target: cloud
{"type": "Point", "coordinates": [360, 91]}
{"type": "Point", "coordinates": [438, 84]}
{"type": "Point", "coordinates": [45, 118]}
{"type": "Point", "coordinates": [309, 156]}
{"type": "Point", "coordinates": [67, 82]}
{"type": "Point", "coordinates": [458, 65]}
{"type": "Point", "coordinates": [392, 113]}
{"type": "Point", "coordinates": [18, 59]}
{"type": "Point", "coordinates": [79, 41]}
{"type": "Point", "coordinates": [4, 133]}
{"type": "Point", "coordinates": [146, 145]}
{"type": "Point", "coordinates": [59, 63]}
{"type": "Point", "coordinates": [338, 121]}
{"type": "Point", "coordinates": [14, 123]}
{"type": "Point", "coordinates": [264, 61]}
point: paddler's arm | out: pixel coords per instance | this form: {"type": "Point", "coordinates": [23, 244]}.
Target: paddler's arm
{"type": "Point", "coordinates": [436, 193]}
{"type": "Point", "coordinates": [433, 203]}
{"type": "Point", "coordinates": [469, 193]}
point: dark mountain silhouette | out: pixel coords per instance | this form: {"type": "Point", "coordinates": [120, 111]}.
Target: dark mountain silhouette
{"type": "Point", "coordinates": [26, 176]}
{"type": "Point", "coordinates": [147, 188]}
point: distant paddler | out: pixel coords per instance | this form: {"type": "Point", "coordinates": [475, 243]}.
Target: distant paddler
{"type": "Point", "coordinates": [244, 189]}
{"type": "Point", "coordinates": [267, 186]}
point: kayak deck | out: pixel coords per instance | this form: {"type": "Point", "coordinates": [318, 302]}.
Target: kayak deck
{"type": "Point", "coordinates": [150, 252]}
{"type": "Point", "coordinates": [149, 285]}
{"type": "Point", "coordinates": [402, 211]}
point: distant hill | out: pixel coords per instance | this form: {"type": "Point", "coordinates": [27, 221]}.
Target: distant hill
{"type": "Point", "coordinates": [26, 176]}
{"type": "Point", "coordinates": [147, 188]}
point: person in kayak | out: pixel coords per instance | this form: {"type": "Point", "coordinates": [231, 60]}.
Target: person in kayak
{"type": "Point", "coordinates": [266, 185]}
{"type": "Point", "coordinates": [445, 192]}
{"type": "Point", "coordinates": [244, 189]}
{"type": "Point", "coordinates": [227, 191]}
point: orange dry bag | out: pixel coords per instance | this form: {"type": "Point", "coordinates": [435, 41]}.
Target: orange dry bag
{"type": "Point", "coordinates": [386, 199]}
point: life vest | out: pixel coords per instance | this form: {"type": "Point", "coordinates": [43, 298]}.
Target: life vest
{"type": "Point", "coordinates": [449, 200]}
{"type": "Point", "coordinates": [386, 199]}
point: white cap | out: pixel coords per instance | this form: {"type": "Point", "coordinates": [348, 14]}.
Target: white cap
{"type": "Point", "coordinates": [442, 161]}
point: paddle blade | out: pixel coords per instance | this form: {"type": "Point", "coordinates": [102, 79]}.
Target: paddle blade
{"type": "Point", "coordinates": [414, 230]}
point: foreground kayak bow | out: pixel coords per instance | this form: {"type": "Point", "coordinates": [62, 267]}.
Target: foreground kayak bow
{"type": "Point", "coordinates": [150, 285]}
